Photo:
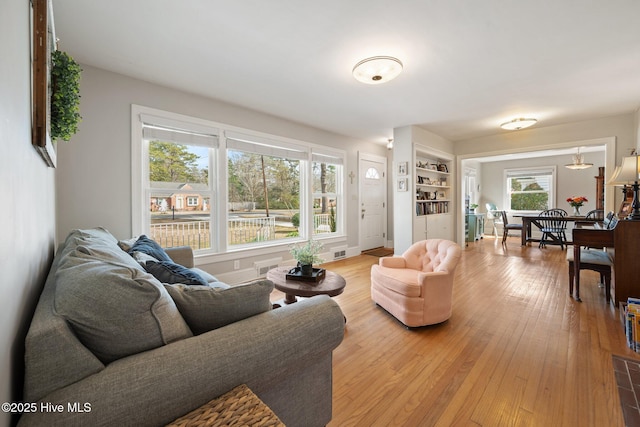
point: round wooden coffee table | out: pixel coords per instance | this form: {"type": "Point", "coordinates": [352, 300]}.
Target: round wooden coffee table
{"type": "Point", "coordinates": [332, 284]}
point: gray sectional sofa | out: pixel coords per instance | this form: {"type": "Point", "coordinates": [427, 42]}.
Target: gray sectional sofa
{"type": "Point", "coordinates": [115, 346]}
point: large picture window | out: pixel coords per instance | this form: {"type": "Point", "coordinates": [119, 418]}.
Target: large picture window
{"type": "Point", "coordinates": [530, 189]}
{"type": "Point", "coordinates": [218, 189]}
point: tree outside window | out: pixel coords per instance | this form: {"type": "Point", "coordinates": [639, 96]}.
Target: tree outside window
{"type": "Point", "coordinates": [264, 195]}
{"type": "Point", "coordinates": [529, 190]}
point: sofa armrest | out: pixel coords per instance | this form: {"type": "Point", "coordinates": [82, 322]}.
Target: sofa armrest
{"type": "Point", "coordinates": [393, 262]}
{"type": "Point", "coordinates": [182, 255]}
{"type": "Point", "coordinates": [158, 386]}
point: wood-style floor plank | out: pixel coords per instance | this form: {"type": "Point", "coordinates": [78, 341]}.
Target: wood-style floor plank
{"type": "Point", "coordinates": [518, 351]}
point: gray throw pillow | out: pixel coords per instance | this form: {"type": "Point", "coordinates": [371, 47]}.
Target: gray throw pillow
{"type": "Point", "coordinates": [205, 308]}
{"type": "Point", "coordinates": [115, 308]}
{"type": "Point", "coordinates": [170, 272]}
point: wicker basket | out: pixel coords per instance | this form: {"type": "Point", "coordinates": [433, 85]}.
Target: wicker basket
{"type": "Point", "coordinates": [238, 407]}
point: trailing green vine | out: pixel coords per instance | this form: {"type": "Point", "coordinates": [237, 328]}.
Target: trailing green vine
{"type": "Point", "coordinates": [65, 96]}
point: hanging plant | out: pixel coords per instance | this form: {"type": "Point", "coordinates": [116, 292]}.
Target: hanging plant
{"type": "Point", "coordinates": [65, 96]}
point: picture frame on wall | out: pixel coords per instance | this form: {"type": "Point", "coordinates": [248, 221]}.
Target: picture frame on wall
{"type": "Point", "coordinates": [42, 44]}
{"type": "Point", "coordinates": [402, 168]}
{"type": "Point", "coordinates": [403, 184]}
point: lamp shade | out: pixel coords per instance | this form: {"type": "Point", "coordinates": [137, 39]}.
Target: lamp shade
{"type": "Point", "coordinates": [377, 69]}
{"type": "Point", "coordinates": [614, 177]}
{"type": "Point", "coordinates": [627, 173]}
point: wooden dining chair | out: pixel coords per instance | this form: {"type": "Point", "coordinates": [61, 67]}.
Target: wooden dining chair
{"type": "Point", "coordinates": [553, 226]}
{"type": "Point", "coordinates": [597, 214]}
{"type": "Point", "coordinates": [507, 227]}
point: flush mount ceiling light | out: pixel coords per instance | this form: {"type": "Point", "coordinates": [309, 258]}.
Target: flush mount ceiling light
{"type": "Point", "coordinates": [578, 162]}
{"type": "Point", "coordinates": [517, 124]}
{"type": "Point", "coordinates": [378, 69]}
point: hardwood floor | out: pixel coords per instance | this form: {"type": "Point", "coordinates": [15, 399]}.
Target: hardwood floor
{"type": "Point", "coordinates": [518, 351]}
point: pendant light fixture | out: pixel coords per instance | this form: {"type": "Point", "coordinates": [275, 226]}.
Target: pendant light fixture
{"type": "Point", "coordinates": [578, 162]}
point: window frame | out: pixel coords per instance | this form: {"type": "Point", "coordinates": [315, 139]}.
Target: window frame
{"type": "Point", "coordinates": [530, 171]}
{"type": "Point", "coordinates": [336, 159]}
{"type": "Point", "coordinates": [218, 181]}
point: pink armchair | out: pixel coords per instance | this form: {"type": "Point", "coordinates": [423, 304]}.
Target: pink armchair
{"type": "Point", "coordinates": [417, 287]}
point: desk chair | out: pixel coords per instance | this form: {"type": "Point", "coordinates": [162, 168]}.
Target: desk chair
{"type": "Point", "coordinates": [597, 259]}
{"type": "Point", "coordinates": [506, 227]}
{"type": "Point", "coordinates": [553, 225]}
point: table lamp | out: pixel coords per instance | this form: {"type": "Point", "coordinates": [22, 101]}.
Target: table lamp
{"type": "Point", "coordinates": [629, 174]}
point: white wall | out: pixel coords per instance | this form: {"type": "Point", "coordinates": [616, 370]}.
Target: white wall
{"type": "Point", "coordinates": [28, 210]}
{"type": "Point", "coordinates": [403, 204]}
{"type": "Point", "coordinates": [94, 178]}
{"type": "Point", "coordinates": [622, 127]}
{"type": "Point", "coordinates": [569, 182]}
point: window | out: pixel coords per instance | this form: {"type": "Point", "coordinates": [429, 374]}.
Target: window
{"type": "Point", "coordinates": [215, 189]}
{"type": "Point", "coordinates": [372, 173]}
{"type": "Point", "coordinates": [530, 189]}
{"type": "Point", "coordinates": [264, 189]}
{"type": "Point", "coordinates": [177, 181]}
{"type": "Point", "coordinates": [326, 176]}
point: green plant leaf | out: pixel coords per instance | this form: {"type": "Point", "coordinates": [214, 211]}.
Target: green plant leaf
{"type": "Point", "coordinates": [65, 96]}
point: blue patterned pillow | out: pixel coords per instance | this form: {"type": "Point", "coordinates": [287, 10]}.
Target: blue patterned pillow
{"type": "Point", "coordinates": [149, 247]}
{"type": "Point", "coordinates": [170, 272]}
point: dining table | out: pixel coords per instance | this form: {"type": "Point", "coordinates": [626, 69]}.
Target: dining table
{"type": "Point", "coordinates": [529, 219]}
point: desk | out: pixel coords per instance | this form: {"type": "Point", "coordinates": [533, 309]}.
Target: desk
{"type": "Point", "coordinates": [528, 219]}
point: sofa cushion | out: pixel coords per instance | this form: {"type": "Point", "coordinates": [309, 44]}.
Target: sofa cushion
{"type": "Point", "coordinates": [209, 278]}
{"type": "Point", "coordinates": [170, 272]}
{"type": "Point", "coordinates": [115, 308]}
{"type": "Point", "coordinates": [150, 247]}
{"type": "Point", "coordinates": [142, 258]}
{"type": "Point", "coordinates": [205, 308]}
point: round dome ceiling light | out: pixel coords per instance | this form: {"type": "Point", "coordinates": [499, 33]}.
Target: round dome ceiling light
{"type": "Point", "coordinates": [377, 69]}
{"type": "Point", "coordinates": [517, 124]}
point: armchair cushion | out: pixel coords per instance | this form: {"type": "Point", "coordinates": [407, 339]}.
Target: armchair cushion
{"type": "Point", "coordinates": [393, 262]}
{"type": "Point", "coordinates": [401, 280]}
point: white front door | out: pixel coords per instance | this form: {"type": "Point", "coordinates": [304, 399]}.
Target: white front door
{"type": "Point", "coordinates": [373, 201]}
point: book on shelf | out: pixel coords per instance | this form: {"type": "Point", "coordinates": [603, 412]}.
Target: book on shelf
{"type": "Point", "coordinates": [632, 323]}
{"type": "Point", "coordinates": [431, 208]}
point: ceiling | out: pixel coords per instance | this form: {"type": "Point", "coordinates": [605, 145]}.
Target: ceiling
{"type": "Point", "coordinates": [468, 65]}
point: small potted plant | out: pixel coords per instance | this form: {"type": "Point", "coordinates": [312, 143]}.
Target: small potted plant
{"type": "Point", "coordinates": [472, 208]}
{"type": "Point", "coordinates": [307, 255]}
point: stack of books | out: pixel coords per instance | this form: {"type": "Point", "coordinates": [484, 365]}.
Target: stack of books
{"type": "Point", "coordinates": [632, 323]}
